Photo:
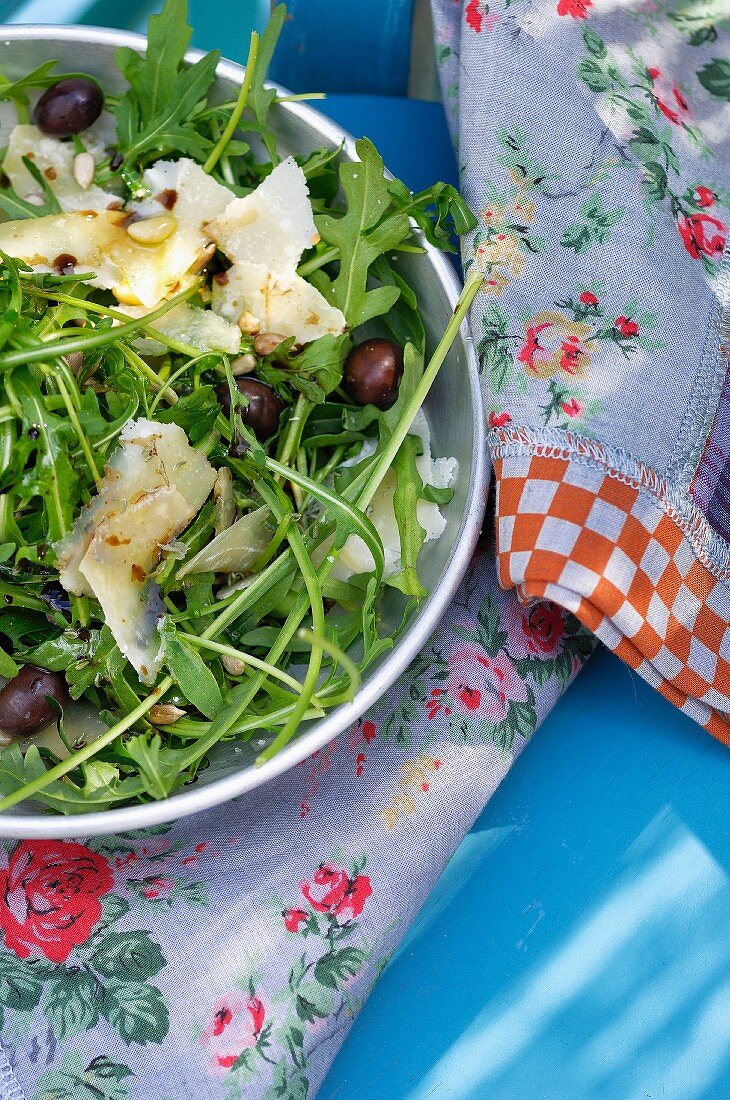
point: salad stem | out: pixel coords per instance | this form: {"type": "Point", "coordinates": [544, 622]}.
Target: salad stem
{"type": "Point", "coordinates": [314, 592]}
{"type": "Point", "coordinates": [332, 650]}
{"type": "Point", "coordinates": [385, 459]}
{"type": "Point", "coordinates": [146, 371]}
{"type": "Point", "coordinates": [245, 658]}
{"type": "Point", "coordinates": [318, 261]}
{"type": "Point", "coordinates": [238, 110]}
{"type": "Point", "coordinates": [7, 523]}
{"type": "Point", "coordinates": [107, 311]}
{"type": "Point", "coordinates": [300, 97]}
{"type": "Point", "coordinates": [64, 345]}
{"type": "Point", "coordinates": [73, 417]}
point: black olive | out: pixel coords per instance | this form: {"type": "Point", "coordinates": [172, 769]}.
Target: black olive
{"type": "Point", "coordinates": [373, 372]}
{"type": "Point", "coordinates": [69, 107]}
{"type": "Point", "coordinates": [264, 407]}
{"type": "Point", "coordinates": [56, 596]}
{"type": "Point", "coordinates": [24, 707]}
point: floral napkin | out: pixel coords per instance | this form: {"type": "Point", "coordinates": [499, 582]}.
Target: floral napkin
{"type": "Point", "coordinates": [226, 955]}
{"type": "Point", "coordinates": [594, 141]}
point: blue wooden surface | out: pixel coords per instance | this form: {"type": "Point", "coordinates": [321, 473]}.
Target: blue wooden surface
{"type": "Point", "coordinates": [345, 47]}
{"type": "Point", "coordinates": [578, 944]}
{"type": "Point", "coordinates": [225, 25]}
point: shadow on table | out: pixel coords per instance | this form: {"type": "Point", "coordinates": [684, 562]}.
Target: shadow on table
{"type": "Point", "coordinates": [577, 945]}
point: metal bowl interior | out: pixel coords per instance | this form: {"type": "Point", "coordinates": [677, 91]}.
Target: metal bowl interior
{"type": "Point", "coordinates": [456, 419]}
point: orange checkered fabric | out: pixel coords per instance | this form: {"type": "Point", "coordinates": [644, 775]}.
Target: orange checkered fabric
{"type": "Point", "coordinates": [614, 549]}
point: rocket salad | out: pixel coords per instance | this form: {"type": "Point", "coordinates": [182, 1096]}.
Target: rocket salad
{"type": "Point", "coordinates": [212, 456]}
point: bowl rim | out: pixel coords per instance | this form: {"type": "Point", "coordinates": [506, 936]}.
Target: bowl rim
{"type": "Point", "coordinates": [196, 799]}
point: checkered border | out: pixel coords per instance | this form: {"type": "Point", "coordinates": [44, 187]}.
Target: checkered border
{"type": "Point", "coordinates": [602, 544]}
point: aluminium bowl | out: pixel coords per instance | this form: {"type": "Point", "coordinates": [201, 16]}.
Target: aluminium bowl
{"type": "Point", "coordinates": [454, 412]}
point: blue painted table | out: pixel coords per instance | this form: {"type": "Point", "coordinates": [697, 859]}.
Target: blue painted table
{"type": "Point", "coordinates": [578, 944]}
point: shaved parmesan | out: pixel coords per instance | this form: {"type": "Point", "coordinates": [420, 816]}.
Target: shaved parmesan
{"type": "Point", "coordinates": [99, 242]}
{"type": "Point", "coordinates": [182, 188]}
{"type": "Point", "coordinates": [271, 226]}
{"type": "Point", "coordinates": [153, 486]}
{"type": "Point", "coordinates": [122, 552]}
{"type": "Point", "coordinates": [265, 234]}
{"type": "Point", "coordinates": [55, 161]}
{"type": "Point", "coordinates": [201, 328]}
{"type": "Point", "coordinates": [282, 302]}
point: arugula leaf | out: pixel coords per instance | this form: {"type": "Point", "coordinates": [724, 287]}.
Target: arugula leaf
{"type": "Point", "coordinates": [170, 130]}
{"type": "Point", "coordinates": [160, 767]}
{"type": "Point", "coordinates": [8, 667]}
{"type": "Point", "coordinates": [157, 113]}
{"type": "Point", "coordinates": [439, 211]}
{"type": "Point", "coordinates": [360, 237]}
{"type": "Point", "coordinates": [40, 77]}
{"type": "Point", "coordinates": [196, 413]}
{"type": "Point", "coordinates": [191, 673]}
{"type": "Point", "coordinates": [88, 670]}
{"type": "Point", "coordinates": [315, 371]}
{"type": "Point", "coordinates": [19, 208]}
{"type": "Point", "coordinates": [102, 787]}
{"type": "Point", "coordinates": [53, 478]}
{"type": "Point", "coordinates": [152, 77]}
{"type": "Point", "coordinates": [409, 490]}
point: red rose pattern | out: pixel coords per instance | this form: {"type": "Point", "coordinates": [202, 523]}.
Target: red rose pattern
{"type": "Point", "coordinates": [49, 897]}
{"type": "Point", "coordinates": [293, 918]}
{"type": "Point", "coordinates": [626, 327]}
{"type": "Point", "coordinates": [704, 197]}
{"type": "Point", "coordinates": [543, 626]}
{"type": "Point", "coordinates": [474, 15]}
{"type": "Point", "coordinates": [668, 112]}
{"type": "Point", "coordinates": [479, 17]}
{"type": "Point", "coordinates": [481, 685]}
{"type": "Point", "coordinates": [235, 1026]}
{"type": "Point", "coordinates": [588, 299]}
{"type": "Point", "coordinates": [576, 9]}
{"type": "Point", "coordinates": [702, 235]}
{"type": "Point", "coordinates": [572, 408]}
{"type": "Point", "coordinates": [333, 891]}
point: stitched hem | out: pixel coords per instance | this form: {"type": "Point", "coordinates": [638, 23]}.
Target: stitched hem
{"type": "Point", "coordinates": [709, 547]}
{"type": "Point", "coordinates": [9, 1087]}
{"type": "Point", "coordinates": [698, 421]}
{"type": "Point", "coordinates": [637, 564]}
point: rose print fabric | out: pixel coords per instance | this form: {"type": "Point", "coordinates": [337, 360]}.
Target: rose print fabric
{"type": "Point", "coordinates": [594, 141]}
{"type": "Point", "coordinates": [227, 955]}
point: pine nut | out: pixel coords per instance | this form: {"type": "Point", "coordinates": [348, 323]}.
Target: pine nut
{"type": "Point", "coordinates": [164, 714]}
{"type": "Point", "coordinates": [233, 665]}
{"type": "Point", "coordinates": [84, 168]}
{"type": "Point", "coordinates": [206, 253]}
{"type": "Point", "coordinates": [152, 231]}
{"type": "Point", "coordinates": [248, 324]}
{"type": "Point", "coordinates": [243, 365]}
{"type": "Point", "coordinates": [267, 342]}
